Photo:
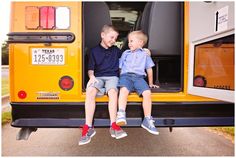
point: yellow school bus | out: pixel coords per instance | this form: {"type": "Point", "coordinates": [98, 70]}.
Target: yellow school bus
{"type": "Point", "coordinates": [49, 43]}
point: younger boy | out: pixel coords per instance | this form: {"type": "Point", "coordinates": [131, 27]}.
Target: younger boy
{"type": "Point", "coordinates": [133, 63]}
{"type": "Point", "coordinates": [103, 71]}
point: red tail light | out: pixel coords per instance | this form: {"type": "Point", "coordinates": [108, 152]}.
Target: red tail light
{"type": "Point", "coordinates": [22, 94]}
{"type": "Point", "coordinates": [66, 83]}
{"type": "Point", "coordinates": [47, 17]}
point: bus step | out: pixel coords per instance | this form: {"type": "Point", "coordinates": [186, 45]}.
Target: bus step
{"type": "Point", "coordinates": [24, 133]}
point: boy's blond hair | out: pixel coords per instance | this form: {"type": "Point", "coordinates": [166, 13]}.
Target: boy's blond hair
{"type": "Point", "coordinates": [107, 28]}
{"type": "Point", "coordinates": [140, 35]}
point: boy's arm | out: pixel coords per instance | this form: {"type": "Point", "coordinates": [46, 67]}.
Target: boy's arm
{"type": "Point", "coordinates": [92, 78]}
{"type": "Point", "coordinates": [91, 65]}
{"type": "Point", "coordinates": [150, 78]}
{"type": "Point", "coordinates": [121, 60]}
{"type": "Point", "coordinates": [91, 73]}
{"type": "Point", "coordinates": [147, 51]}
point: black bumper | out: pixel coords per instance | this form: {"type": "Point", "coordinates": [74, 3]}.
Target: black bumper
{"type": "Point", "coordinates": [166, 114]}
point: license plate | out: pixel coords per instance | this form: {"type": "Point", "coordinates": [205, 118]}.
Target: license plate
{"type": "Point", "coordinates": [48, 56]}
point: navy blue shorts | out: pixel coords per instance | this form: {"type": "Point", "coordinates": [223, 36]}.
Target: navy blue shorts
{"type": "Point", "coordinates": [133, 82]}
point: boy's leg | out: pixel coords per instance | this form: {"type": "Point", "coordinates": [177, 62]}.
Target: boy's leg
{"type": "Point", "coordinates": [121, 114]}
{"type": "Point", "coordinates": [91, 91]}
{"type": "Point", "coordinates": [112, 105]}
{"type": "Point", "coordinates": [90, 105]}
{"type": "Point", "coordinates": [112, 91]}
{"type": "Point", "coordinates": [126, 85]}
{"type": "Point", "coordinates": [148, 122]}
{"type": "Point", "coordinates": [123, 96]}
{"type": "Point", "coordinates": [88, 132]}
{"type": "Point", "coordinates": [142, 88]}
{"type": "Point", "coordinates": [147, 103]}
{"type": "Point", "coordinates": [115, 130]}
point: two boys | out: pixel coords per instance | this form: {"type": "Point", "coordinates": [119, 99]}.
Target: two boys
{"type": "Point", "coordinates": [103, 71]}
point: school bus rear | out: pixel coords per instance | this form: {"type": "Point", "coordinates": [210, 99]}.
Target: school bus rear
{"type": "Point", "coordinates": [47, 75]}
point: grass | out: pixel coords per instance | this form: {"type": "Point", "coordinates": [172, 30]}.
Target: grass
{"type": "Point", "coordinates": [5, 86]}
{"type": "Point", "coordinates": [6, 117]}
{"type": "Point", "coordinates": [226, 131]}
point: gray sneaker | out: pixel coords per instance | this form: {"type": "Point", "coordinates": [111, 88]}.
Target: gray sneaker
{"type": "Point", "coordinates": [118, 134]}
{"type": "Point", "coordinates": [87, 134]}
{"type": "Point", "coordinates": [148, 124]}
{"type": "Point", "coordinates": [121, 118]}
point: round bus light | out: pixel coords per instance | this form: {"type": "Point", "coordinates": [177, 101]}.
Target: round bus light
{"type": "Point", "coordinates": [199, 81]}
{"type": "Point", "coordinates": [66, 83]}
{"type": "Point", "coordinates": [22, 94]}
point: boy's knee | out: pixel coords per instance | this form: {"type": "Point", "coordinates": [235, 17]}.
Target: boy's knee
{"type": "Point", "coordinates": [124, 90]}
{"type": "Point", "coordinates": [91, 91]}
{"type": "Point", "coordinates": [146, 93]}
{"type": "Point", "coordinates": [112, 92]}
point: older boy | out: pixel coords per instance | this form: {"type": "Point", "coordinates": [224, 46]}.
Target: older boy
{"type": "Point", "coordinates": [133, 63]}
{"type": "Point", "coordinates": [103, 72]}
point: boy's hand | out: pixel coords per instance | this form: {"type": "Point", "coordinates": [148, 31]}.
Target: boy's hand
{"type": "Point", "coordinates": [154, 86]}
{"type": "Point", "coordinates": [147, 51]}
{"type": "Point", "coordinates": [92, 80]}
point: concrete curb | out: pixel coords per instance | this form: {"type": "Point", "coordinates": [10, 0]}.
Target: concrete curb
{"type": "Point", "coordinates": [5, 96]}
{"type": "Point", "coordinates": [5, 102]}
{"type": "Point", "coordinates": [5, 66]}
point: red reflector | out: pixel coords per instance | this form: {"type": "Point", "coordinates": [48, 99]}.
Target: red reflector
{"type": "Point", "coordinates": [22, 94]}
{"type": "Point", "coordinates": [199, 81]}
{"type": "Point", "coordinates": [47, 17]}
{"type": "Point", "coordinates": [66, 83]}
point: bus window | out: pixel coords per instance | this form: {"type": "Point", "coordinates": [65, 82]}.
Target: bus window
{"type": "Point", "coordinates": [214, 64]}
{"type": "Point", "coordinates": [124, 17]}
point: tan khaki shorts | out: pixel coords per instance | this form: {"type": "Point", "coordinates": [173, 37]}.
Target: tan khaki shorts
{"type": "Point", "coordinates": [104, 84]}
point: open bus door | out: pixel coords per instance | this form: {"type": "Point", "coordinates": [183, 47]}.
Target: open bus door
{"type": "Point", "coordinates": [211, 50]}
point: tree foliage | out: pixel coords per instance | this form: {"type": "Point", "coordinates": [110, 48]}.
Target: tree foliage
{"type": "Point", "coordinates": [5, 54]}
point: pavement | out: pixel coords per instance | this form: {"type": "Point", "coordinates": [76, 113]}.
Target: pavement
{"type": "Point", "coordinates": [5, 98]}
{"type": "Point", "coordinates": [64, 142]}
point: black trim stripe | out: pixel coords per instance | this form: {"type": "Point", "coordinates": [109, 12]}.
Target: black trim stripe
{"type": "Point", "coordinates": [40, 37]}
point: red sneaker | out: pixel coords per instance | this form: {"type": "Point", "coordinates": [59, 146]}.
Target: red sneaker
{"type": "Point", "coordinates": [116, 131]}
{"type": "Point", "coordinates": [87, 134]}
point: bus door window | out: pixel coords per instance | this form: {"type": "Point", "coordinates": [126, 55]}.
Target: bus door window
{"type": "Point", "coordinates": [214, 64]}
